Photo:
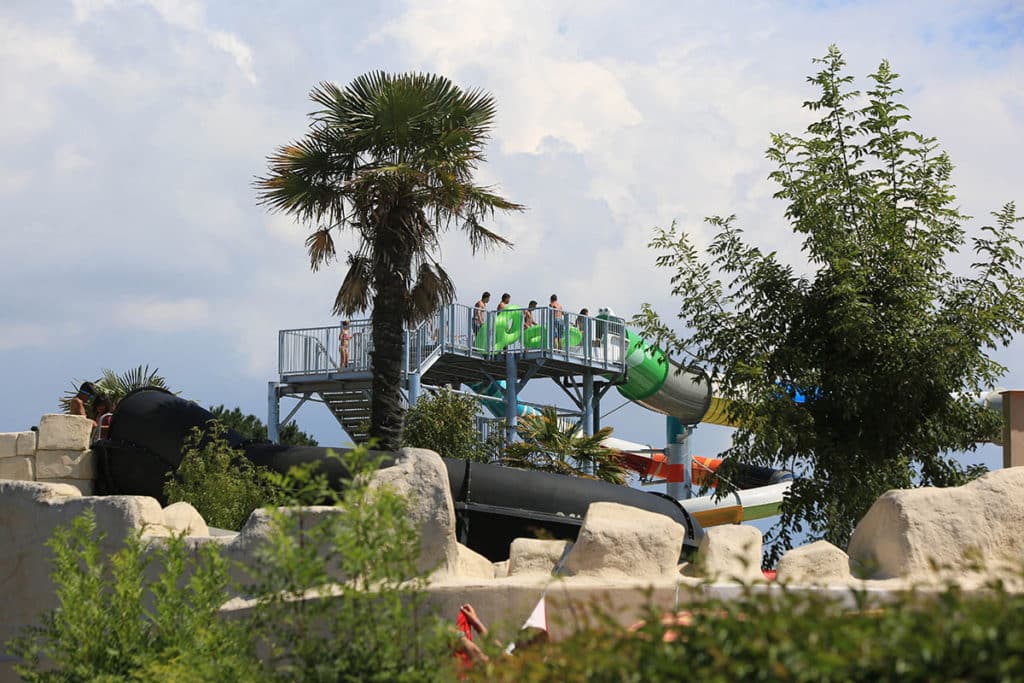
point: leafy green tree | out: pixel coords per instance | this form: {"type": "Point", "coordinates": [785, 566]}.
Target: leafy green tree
{"type": "Point", "coordinates": [218, 480]}
{"type": "Point", "coordinates": [550, 445]}
{"type": "Point", "coordinates": [883, 339]}
{"type": "Point", "coordinates": [252, 427]}
{"type": "Point", "coordinates": [446, 422]}
{"type": "Point", "coordinates": [116, 386]}
{"type": "Point", "coordinates": [391, 158]}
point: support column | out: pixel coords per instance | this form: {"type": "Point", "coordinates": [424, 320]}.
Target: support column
{"type": "Point", "coordinates": [588, 403]}
{"type": "Point", "coordinates": [414, 388]}
{"type": "Point", "coordinates": [678, 452]}
{"type": "Point", "coordinates": [273, 413]}
{"type": "Point", "coordinates": [1013, 428]}
{"type": "Point", "coordinates": [511, 394]}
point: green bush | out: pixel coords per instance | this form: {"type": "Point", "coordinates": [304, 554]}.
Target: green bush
{"type": "Point", "coordinates": [370, 627]}
{"type": "Point", "coordinates": [446, 423]}
{"type": "Point", "coordinates": [217, 480]}
{"type": "Point", "coordinates": [795, 637]}
{"type": "Point", "coordinates": [111, 625]}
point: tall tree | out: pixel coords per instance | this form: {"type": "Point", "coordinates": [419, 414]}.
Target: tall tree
{"type": "Point", "coordinates": [856, 374]}
{"type": "Point", "coordinates": [252, 427]}
{"type": "Point", "coordinates": [391, 158]}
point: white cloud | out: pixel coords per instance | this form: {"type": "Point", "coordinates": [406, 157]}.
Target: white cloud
{"type": "Point", "coordinates": [161, 315]}
{"type": "Point", "coordinates": [69, 158]}
{"type": "Point", "coordinates": [13, 181]}
{"type": "Point", "coordinates": [23, 335]}
{"type": "Point", "coordinates": [188, 15]}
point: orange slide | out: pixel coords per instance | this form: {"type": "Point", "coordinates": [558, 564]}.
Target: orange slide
{"type": "Point", "coordinates": [656, 465]}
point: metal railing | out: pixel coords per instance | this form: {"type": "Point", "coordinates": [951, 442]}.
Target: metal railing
{"type": "Point", "coordinates": [466, 331]}
{"type": "Point", "coordinates": [317, 350]}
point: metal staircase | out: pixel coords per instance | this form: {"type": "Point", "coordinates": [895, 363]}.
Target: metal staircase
{"type": "Point", "coordinates": [350, 405]}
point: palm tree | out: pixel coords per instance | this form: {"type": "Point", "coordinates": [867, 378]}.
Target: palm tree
{"type": "Point", "coordinates": [390, 157]}
{"type": "Point", "coordinates": [550, 446]}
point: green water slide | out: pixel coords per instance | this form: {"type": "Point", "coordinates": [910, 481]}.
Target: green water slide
{"type": "Point", "coordinates": [656, 382]}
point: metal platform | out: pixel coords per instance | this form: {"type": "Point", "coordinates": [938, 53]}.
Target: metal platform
{"type": "Point", "coordinates": [456, 346]}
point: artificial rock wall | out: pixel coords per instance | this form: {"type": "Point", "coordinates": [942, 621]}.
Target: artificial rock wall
{"type": "Point", "coordinates": [57, 454]}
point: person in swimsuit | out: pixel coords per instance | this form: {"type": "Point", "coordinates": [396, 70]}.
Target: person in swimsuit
{"type": "Point", "coordinates": [528, 315]}
{"type": "Point", "coordinates": [345, 340]}
{"type": "Point", "coordinates": [558, 323]}
{"type": "Point", "coordinates": [506, 299]}
{"type": "Point", "coordinates": [479, 310]}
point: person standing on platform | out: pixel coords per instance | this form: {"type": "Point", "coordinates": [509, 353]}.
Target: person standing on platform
{"type": "Point", "coordinates": [479, 310]}
{"type": "Point", "coordinates": [345, 340]}
{"type": "Point", "coordinates": [528, 315]}
{"type": "Point", "coordinates": [558, 320]}
{"type": "Point", "coordinates": [580, 319]}
{"type": "Point", "coordinates": [506, 299]}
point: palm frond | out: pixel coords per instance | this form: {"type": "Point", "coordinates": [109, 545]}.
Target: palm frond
{"type": "Point", "coordinates": [357, 288]}
{"type": "Point", "coordinates": [320, 246]}
{"type": "Point", "coordinates": [432, 289]}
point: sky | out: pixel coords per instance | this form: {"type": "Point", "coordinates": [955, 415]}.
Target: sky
{"type": "Point", "coordinates": [133, 129]}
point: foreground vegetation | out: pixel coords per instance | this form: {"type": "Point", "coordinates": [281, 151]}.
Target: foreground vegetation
{"type": "Point", "coordinates": [113, 623]}
{"type": "Point", "coordinates": [795, 637]}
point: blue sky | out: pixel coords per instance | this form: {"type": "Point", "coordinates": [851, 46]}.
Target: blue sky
{"type": "Point", "coordinates": [133, 130]}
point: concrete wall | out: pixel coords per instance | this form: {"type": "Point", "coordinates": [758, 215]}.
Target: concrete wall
{"type": "Point", "coordinates": [58, 453]}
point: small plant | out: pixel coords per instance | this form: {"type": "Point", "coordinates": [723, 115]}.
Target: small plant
{"type": "Point", "coordinates": [218, 480]}
{"type": "Point", "coordinates": [110, 625]}
{"type": "Point", "coordinates": [551, 446]}
{"type": "Point", "coordinates": [340, 596]}
{"type": "Point", "coordinates": [446, 423]}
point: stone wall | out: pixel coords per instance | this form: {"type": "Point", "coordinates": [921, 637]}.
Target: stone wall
{"type": "Point", "coordinates": [57, 454]}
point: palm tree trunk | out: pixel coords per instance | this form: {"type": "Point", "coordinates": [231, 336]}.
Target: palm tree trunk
{"type": "Point", "coordinates": [391, 272]}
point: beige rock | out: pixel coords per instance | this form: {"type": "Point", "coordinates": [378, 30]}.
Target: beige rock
{"type": "Point", "coordinates": [27, 443]}
{"type": "Point", "coordinates": [29, 514]}
{"type": "Point", "coordinates": [501, 569]}
{"type": "Point", "coordinates": [181, 517]}
{"type": "Point", "coordinates": [473, 565]}
{"type": "Point", "coordinates": [64, 432]}
{"type": "Point", "coordinates": [18, 467]}
{"type": "Point", "coordinates": [816, 564]}
{"type": "Point", "coordinates": [730, 553]}
{"type": "Point", "coordinates": [65, 465]}
{"type": "Point", "coordinates": [248, 546]}
{"type": "Point", "coordinates": [8, 444]}
{"type": "Point", "coordinates": [84, 486]}
{"type": "Point", "coordinates": [420, 477]}
{"type": "Point", "coordinates": [626, 541]}
{"type": "Point", "coordinates": [535, 556]}
{"type": "Point", "coordinates": [927, 533]}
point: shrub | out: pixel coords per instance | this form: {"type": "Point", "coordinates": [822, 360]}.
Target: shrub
{"type": "Point", "coordinates": [109, 624]}
{"type": "Point", "coordinates": [370, 627]}
{"type": "Point", "coordinates": [551, 445]}
{"type": "Point", "coordinates": [795, 637]}
{"type": "Point", "coordinates": [446, 423]}
{"type": "Point", "coordinates": [217, 480]}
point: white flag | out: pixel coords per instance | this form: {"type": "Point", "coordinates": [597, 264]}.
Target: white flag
{"type": "Point", "coordinates": [538, 619]}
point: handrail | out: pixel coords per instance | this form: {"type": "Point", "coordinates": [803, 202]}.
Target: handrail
{"type": "Point", "coordinates": [464, 330]}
